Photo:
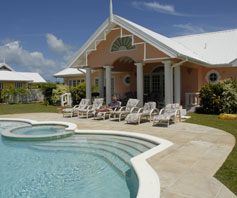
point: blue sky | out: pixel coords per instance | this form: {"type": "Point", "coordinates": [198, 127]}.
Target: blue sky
{"type": "Point", "coordinates": [41, 35]}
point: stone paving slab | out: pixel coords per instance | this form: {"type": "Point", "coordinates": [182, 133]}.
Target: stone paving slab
{"type": "Point", "coordinates": [186, 169]}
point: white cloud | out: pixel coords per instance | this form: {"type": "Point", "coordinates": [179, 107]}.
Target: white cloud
{"type": "Point", "coordinates": [16, 56]}
{"type": "Point", "coordinates": [161, 8]}
{"type": "Point", "coordinates": [56, 44]}
{"type": "Point", "coordinates": [189, 29]}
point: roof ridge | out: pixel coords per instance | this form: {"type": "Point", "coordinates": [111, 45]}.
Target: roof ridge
{"type": "Point", "coordinates": [204, 33]}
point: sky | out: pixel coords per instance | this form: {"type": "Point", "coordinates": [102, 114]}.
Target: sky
{"type": "Point", "coordinates": [42, 35]}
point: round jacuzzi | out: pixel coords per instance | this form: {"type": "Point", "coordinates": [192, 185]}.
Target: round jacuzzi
{"type": "Point", "coordinates": [38, 131]}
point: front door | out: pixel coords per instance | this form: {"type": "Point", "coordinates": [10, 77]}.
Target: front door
{"type": "Point", "coordinates": [154, 86]}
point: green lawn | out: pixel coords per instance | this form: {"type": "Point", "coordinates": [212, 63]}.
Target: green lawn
{"type": "Point", "coordinates": [26, 108]}
{"type": "Point", "coordinates": [227, 174]}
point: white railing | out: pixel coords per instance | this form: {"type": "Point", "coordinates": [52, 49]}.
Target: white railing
{"type": "Point", "coordinates": [192, 99]}
{"type": "Point", "coordinates": [66, 100]}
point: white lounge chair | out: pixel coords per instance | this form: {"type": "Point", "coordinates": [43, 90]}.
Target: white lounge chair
{"type": "Point", "coordinates": [103, 115]}
{"type": "Point", "coordinates": [168, 114]}
{"type": "Point", "coordinates": [131, 107]}
{"type": "Point", "coordinates": [147, 112]}
{"type": "Point", "coordinates": [91, 109]}
{"type": "Point", "coordinates": [72, 111]}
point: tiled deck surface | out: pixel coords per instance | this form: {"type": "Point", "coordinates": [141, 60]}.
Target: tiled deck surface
{"type": "Point", "coordinates": [186, 169]}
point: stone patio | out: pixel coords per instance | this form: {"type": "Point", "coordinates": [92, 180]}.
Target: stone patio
{"type": "Point", "coordinates": [186, 169]}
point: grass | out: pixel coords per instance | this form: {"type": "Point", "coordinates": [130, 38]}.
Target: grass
{"type": "Point", "coordinates": [227, 174]}
{"type": "Point", "coordinates": [26, 108]}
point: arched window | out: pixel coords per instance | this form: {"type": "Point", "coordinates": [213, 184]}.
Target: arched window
{"type": "Point", "coordinates": [122, 44]}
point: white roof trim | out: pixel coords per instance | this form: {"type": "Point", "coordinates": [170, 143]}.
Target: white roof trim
{"type": "Point", "coordinates": [162, 43]}
{"type": "Point", "coordinates": [90, 41]}
{"type": "Point", "coordinates": [234, 63]}
{"type": "Point", "coordinates": [7, 66]}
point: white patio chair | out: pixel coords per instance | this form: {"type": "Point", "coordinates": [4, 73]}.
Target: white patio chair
{"type": "Point", "coordinates": [147, 112]}
{"type": "Point", "coordinates": [103, 115]}
{"type": "Point", "coordinates": [72, 111]}
{"type": "Point", "coordinates": [91, 109]}
{"type": "Point", "coordinates": [131, 107]}
{"type": "Point", "coordinates": [168, 114]}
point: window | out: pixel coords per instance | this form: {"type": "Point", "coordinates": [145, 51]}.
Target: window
{"type": "Point", "coordinates": [122, 44]}
{"type": "Point", "coordinates": [1, 86]}
{"type": "Point", "coordinates": [75, 82]}
{"type": "Point", "coordinates": [18, 85]}
{"type": "Point", "coordinates": [127, 80]}
{"type": "Point", "coordinates": [212, 76]}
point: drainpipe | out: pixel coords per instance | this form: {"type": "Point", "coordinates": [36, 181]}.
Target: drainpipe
{"type": "Point", "coordinates": [171, 73]}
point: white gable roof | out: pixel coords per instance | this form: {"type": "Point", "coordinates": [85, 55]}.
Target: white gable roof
{"type": "Point", "coordinates": [70, 72]}
{"type": "Point", "coordinates": [35, 77]}
{"type": "Point", "coordinates": [13, 76]}
{"type": "Point", "coordinates": [179, 47]}
{"type": "Point", "coordinates": [159, 41]}
{"type": "Point", "coordinates": [21, 77]}
{"type": "Point", "coordinates": [215, 47]}
{"type": "Point", "coordinates": [2, 65]}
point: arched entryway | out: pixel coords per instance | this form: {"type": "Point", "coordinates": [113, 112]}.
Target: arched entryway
{"type": "Point", "coordinates": [124, 73]}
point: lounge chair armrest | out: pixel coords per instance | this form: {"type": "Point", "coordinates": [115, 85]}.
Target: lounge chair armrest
{"type": "Point", "coordinates": [89, 107]}
{"type": "Point", "coordinates": [122, 108]}
{"type": "Point", "coordinates": [154, 111]}
{"type": "Point", "coordinates": [140, 110]}
{"type": "Point", "coordinates": [162, 111]}
{"type": "Point", "coordinates": [134, 109]}
{"type": "Point", "coordinates": [177, 112]}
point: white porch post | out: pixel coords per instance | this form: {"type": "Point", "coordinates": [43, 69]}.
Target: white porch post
{"type": "Point", "coordinates": [177, 84]}
{"type": "Point", "coordinates": [140, 85]}
{"type": "Point", "coordinates": [168, 87]}
{"type": "Point", "coordinates": [108, 83]}
{"type": "Point", "coordinates": [88, 83]}
{"type": "Point", "coordinates": [101, 83]}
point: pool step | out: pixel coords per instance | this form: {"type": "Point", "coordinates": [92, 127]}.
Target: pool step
{"type": "Point", "coordinates": [113, 165]}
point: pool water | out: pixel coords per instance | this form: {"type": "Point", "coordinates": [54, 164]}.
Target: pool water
{"type": "Point", "coordinates": [81, 166]}
{"type": "Point", "coordinates": [39, 130]}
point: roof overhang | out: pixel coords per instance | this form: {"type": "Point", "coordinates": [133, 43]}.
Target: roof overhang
{"type": "Point", "coordinates": [79, 59]}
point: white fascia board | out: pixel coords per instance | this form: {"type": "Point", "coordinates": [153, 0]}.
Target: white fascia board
{"type": "Point", "coordinates": [234, 63]}
{"type": "Point", "coordinates": [170, 52]}
{"type": "Point", "coordinates": [205, 64]}
{"type": "Point", "coordinates": [89, 42]}
{"type": "Point", "coordinates": [68, 75]}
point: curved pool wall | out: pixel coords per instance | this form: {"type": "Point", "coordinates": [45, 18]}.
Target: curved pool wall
{"type": "Point", "coordinates": [149, 184]}
{"type": "Point", "coordinates": [8, 133]}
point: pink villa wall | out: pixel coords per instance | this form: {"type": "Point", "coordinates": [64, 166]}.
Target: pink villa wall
{"type": "Point", "coordinates": [102, 56]}
{"type": "Point", "coordinates": [193, 76]}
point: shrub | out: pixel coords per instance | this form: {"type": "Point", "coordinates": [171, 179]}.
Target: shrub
{"type": "Point", "coordinates": [47, 90]}
{"type": "Point", "coordinates": [220, 97]}
{"type": "Point", "coordinates": [60, 90]}
{"type": "Point", "coordinates": [14, 95]}
{"type": "Point", "coordinates": [1, 100]}
{"type": "Point", "coordinates": [78, 93]}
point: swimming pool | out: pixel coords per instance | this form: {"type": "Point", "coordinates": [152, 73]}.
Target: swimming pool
{"type": "Point", "coordinates": [83, 165]}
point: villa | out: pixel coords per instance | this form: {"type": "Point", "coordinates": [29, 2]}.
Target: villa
{"type": "Point", "coordinates": [131, 60]}
{"type": "Point", "coordinates": [10, 78]}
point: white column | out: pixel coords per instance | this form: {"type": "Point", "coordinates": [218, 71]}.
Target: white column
{"type": "Point", "coordinates": [140, 84]}
{"type": "Point", "coordinates": [108, 83]}
{"type": "Point", "coordinates": [177, 84]}
{"type": "Point", "coordinates": [101, 83]}
{"type": "Point", "coordinates": [168, 87]}
{"type": "Point", "coordinates": [88, 83]}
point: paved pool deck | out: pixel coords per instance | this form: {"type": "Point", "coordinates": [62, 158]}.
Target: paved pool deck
{"type": "Point", "coordinates": [186, 169]}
